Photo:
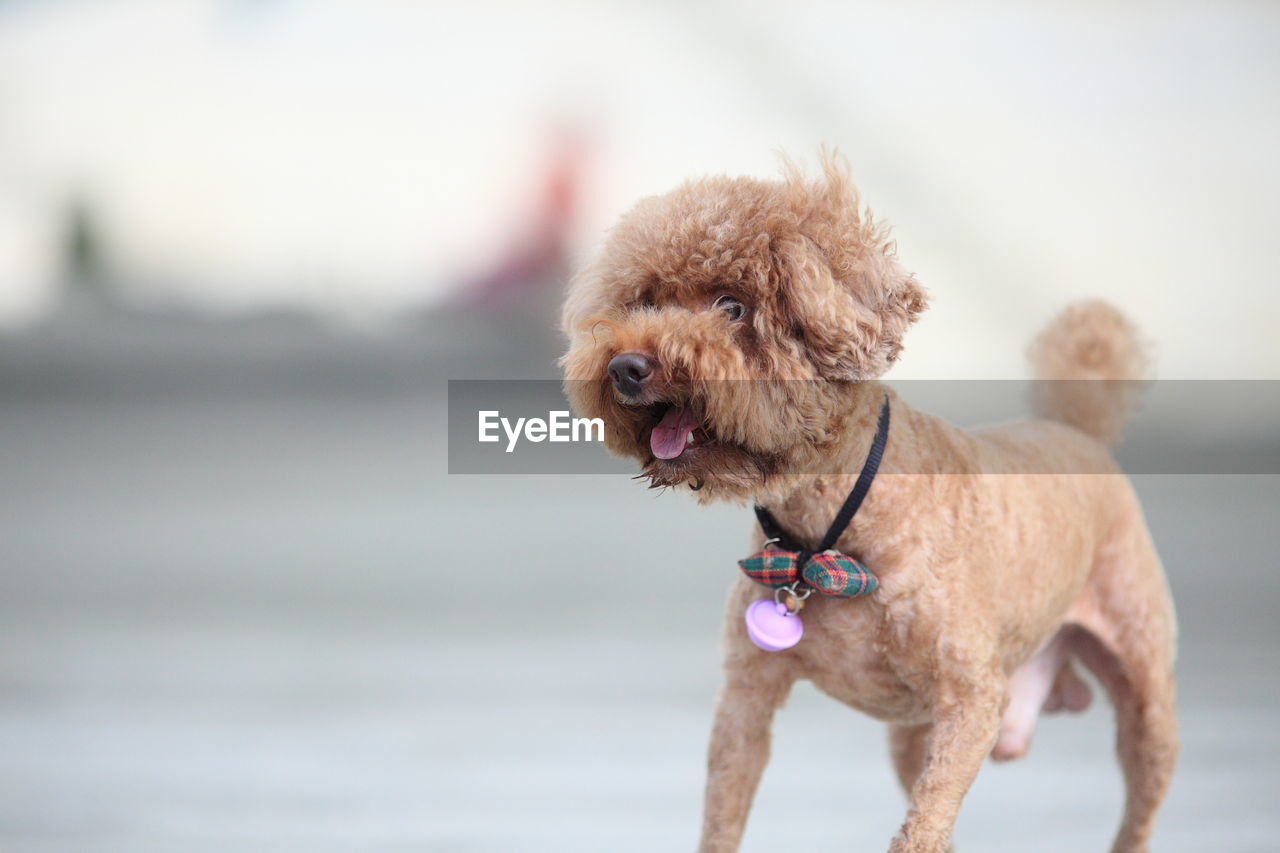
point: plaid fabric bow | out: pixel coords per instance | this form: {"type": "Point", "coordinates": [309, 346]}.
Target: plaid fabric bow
{"type": "Point", "coordinates": [830, 573]}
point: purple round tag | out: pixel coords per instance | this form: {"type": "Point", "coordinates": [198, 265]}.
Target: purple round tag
{"type": "Point", "coordinates": [771, 627]}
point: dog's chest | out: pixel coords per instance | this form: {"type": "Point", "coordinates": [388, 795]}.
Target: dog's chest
{"type": "Point", "coordinates": [843, 655]}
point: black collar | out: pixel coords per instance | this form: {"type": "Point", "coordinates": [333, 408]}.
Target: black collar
{"type": "Point", "coordinates": [774, 531]}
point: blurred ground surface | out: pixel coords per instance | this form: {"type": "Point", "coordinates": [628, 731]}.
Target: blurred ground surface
{"type": "Point", "coordinates": [242, 607]}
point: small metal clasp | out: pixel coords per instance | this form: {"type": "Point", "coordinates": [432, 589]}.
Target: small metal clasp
{"type": "Point", "coordinates": [794, 596]}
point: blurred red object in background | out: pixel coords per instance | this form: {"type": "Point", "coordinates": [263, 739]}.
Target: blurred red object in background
{"type": "Point", "coordinates": [538, 252]}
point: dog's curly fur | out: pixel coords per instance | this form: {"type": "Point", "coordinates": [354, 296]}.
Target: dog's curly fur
{"type": "Point", "coordinates": [994, 576]}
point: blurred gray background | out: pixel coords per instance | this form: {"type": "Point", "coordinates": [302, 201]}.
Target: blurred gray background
{"type": "Point", "coordinates": [243, 247]}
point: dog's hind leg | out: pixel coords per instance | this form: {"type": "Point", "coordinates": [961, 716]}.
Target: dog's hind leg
{"type": "Point", "coordinates": [1029, 687]}
{"type": "Point", "coordinates": [1047, 682]}
{"type": "Point", "coordinates": [1070, 691]}
{"type": "Point", "coordinates": [1128, 645]}
{"type": "Point", "coordinates": [754, 688]}
{"type": "Point", "coordinates": [1146, 735]}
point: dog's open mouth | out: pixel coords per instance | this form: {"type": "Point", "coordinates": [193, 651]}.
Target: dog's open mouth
{"type": "Point", "coordinates": [677, 429]}
{"type": "Point", "coordinates": [683, 448]}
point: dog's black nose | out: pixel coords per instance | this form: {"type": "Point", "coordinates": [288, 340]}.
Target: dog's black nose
{"type": "Point", "coordinates": [629, 371]}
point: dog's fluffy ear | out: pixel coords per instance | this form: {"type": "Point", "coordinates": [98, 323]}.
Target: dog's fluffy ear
{"type": "Point", "coordinates": [848, 298]}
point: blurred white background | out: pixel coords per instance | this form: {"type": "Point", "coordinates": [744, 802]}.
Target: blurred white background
{"type": "Point", "coordinates": [361, 159]}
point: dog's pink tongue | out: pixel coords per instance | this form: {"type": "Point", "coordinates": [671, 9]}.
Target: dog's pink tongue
{"type": "Point", "coordinates": [668, 438]}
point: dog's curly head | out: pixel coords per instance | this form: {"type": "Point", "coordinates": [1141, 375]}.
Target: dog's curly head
{"type": "Point", "coordinates": [718, 326]}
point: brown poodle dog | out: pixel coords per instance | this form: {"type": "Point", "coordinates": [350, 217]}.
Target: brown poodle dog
{"type": "Point", "coordinates": [731, 335]}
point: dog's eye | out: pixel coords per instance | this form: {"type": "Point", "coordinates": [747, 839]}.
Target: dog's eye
{"type": "Point", "coordinates": [731, 306]}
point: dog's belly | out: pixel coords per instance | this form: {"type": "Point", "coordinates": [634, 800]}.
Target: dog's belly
{"type": "Point", "coordinates": [841, 656]}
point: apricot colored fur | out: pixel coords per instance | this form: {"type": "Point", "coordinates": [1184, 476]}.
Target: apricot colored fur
{"type": "Point", "coordinates": [995, 577]}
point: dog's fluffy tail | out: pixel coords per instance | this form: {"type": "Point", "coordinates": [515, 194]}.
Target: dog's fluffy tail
{"type": "Point", "coordinates": [1088, 342]}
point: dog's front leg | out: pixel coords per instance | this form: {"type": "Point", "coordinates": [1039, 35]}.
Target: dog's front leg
{"type": "Point", "coordinates": [754, 688]}
{"type": "Point", "coordinates": [965, 727]}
